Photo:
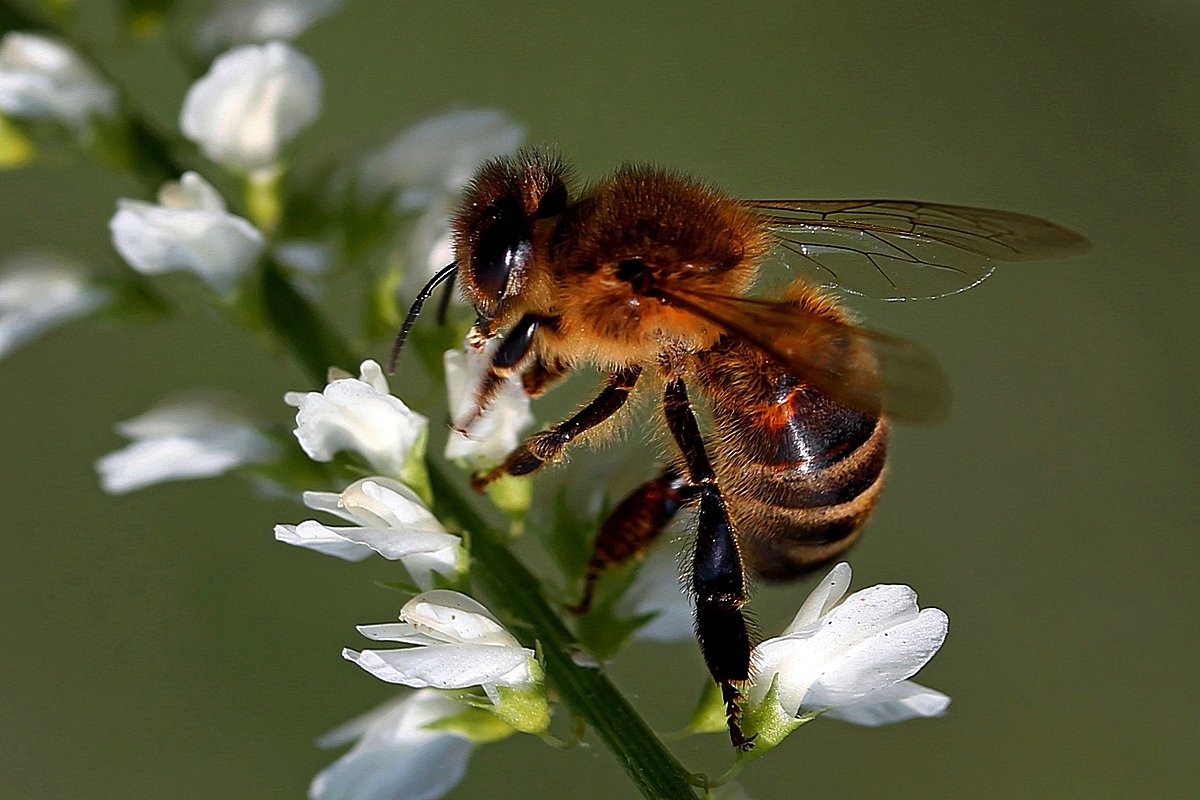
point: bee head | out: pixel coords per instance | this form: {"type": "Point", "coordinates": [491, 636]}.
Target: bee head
{"type": "Point", "coordinates": [494, 226]}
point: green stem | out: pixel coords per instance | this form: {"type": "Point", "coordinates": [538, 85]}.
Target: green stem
{"type": "Point", "coordinates": [300, 326]}
{"type": "Point", "coordinates": [590, 695]}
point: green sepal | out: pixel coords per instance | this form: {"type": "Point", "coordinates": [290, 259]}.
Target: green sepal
{"type": "Point", "coordinates": [768, 724]}
{"type": "Point", "coordinates": [525, 707]}
{"type": "Point", "coordinates": [477, 724]}
{"type": "Point", "coordinates": [415, 472]}
{"type": "Point", "coordinates": [383, 315]}
{"type": "Point", "coordinates": [61, 11]}
{"type": "Point", "coordinates": [144, 19]}
{"type": "Point", "coordinates": [16, 146]}
{"type": "Point", "coordinates": [709, 714]}
{"type": "Point", "coordinates": [264, 204]}
{"type": "Point", "coordinates": [512, 495]}
{"type": "Point", "coordinates": [602, 630]}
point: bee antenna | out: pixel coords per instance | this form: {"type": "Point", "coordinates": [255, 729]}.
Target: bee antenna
{"type": "Point", "coordinates": [441, 276]}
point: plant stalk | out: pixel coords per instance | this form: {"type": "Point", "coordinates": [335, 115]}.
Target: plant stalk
{"type": "Point", "coordinates": [589, 694]}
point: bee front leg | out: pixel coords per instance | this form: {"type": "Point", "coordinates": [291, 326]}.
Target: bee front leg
{"type": "Point", "coordinates": [505, 361]}
{"type": "Point", "coordinates": [546, 445]}
{"type": "Point", "coordinates": [718, 578]}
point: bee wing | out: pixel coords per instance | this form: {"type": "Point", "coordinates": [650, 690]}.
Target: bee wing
{"type": "Point", "coordinates": [861, 368]}
{"type": "Point", "coordinates": [904, 249]}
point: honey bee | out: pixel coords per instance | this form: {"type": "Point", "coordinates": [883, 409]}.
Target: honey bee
{"type": "Point", "coordinates": [649, 273]}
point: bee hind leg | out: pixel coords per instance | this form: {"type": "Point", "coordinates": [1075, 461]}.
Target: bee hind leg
{"type": "Point", "coordinates": [546, 445]}
{"type": "Point", "coordinates": [717, 577]}
{"type": "Point", "coordinates": [632, 527]}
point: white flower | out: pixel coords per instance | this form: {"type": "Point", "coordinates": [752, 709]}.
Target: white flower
{"type": "Point", "coordinates": [657, 590]}
{"type": "Point", "coordinates": [252, 102]}
{"type": "Point", "coordinates": [853, 656]}
{"type": "Point", "coordinates": [427, 166]}
{"type": "Point", "coordinates": [188, 229]}
{"type": "Point", "coordinates": [39, 291]}
{"type": "Point", "coordinates": [438, 155]}
{"type": "Point", "coordinates": [195, 436]}
{"type": "Point", "coordinates": [245, 21]}
{"type": "Point", "coordinates": [42, 78]}
{"type": "Point", "coordinates": [358, 414]}
{"type": "Point", "coordinates": [458, 644]}
{"type": "Point", "coordinates": [308, 257]}
{"type": "Point", "coordinates": [498, 430]}
{"type": "Point", "coordinates": [397, 755]}
{"type": "Point", "coordinates": [390, 520]}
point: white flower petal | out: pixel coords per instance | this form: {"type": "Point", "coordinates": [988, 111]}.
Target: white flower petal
{"type": "Point", "coordinates": [456, 617]}
{"type": "Point", "coordinates": [188, 230]}
{"type": "Point", "coordinates": [445, 666]}
{"type": "Point", "coordinates": [417, 770]}
{"type": "Point", "coordinates": [314, 536]}
{"type": "Point", "coordinates": [421, 553]}
{"type": "Point", "coordinates": [859, 617]}
{"type": "Point", "coordinates": [38, 292]}
{"type": "Point", "coordinates": [357, 414]}
{"type": "Point", "coordinates": [392, 503]}
{"type": "Point", "coordinates": [397, 756]}
{"type": "Point", "coordinates": [498, 430]}
{"type": "Point", "coordinates": [251, 103]}
{"type": "Point", "coordinates": [657, 590]}
{"type": "Point", "coordinates": [237, 22]}
{"type": "Point", "coordinates": [852, 653]}
{"type": "Point", "coordinates": [439, 154]}
{"type": "Point", "coordinates": [893, 655]}
{"type": "Point", "coordinates": [896, 703]}
{"type": "Point", "coordinates": [43, 78]}
{"type": "Point", "coordinates": [430, 244]}
{"type": "Point", "coordinates": [189, 437]}
{"type": "Point", "coordinates": [397, 632]}
{"type": "Point", "coordinates": [389, 519]}
{"type": "Point", "coordinates": [824, 597]}
{"type": "Point", "coordinates": [330, 503]}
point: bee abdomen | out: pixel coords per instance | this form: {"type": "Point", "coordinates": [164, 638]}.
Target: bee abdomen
{"type": "Point", "coordinates": [801, 476]}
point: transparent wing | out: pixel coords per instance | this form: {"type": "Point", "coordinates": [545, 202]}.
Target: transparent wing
{"type": "Point", "coordinates": [861, 368]}
{"type": "Point", "coordinates": [903, 249]}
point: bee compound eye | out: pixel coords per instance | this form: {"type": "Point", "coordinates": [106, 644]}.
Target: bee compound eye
{"type": "Point", "coordinates": [502, 248]}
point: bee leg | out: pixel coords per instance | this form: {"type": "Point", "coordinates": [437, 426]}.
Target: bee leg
{"type": "Point", "coordinates": [508, 357]}
{"type": "Point", "coordinates": [546, 445]}
{"type": "Point", "coordinates": [541, 374]}
{"type": "Point", "coordinates": [717, 579]}
{"type": "Point", "coordinates": [632, 527]}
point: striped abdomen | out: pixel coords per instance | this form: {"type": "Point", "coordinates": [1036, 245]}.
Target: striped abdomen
{"type": "Point", "coordinates": [800, 472]}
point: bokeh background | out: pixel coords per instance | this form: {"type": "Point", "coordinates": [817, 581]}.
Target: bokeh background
{"type": "Point", "coordinates": [162, 644]}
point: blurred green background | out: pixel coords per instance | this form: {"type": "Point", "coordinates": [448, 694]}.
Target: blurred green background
{"type": "Point", "coordinates": [162, 644]}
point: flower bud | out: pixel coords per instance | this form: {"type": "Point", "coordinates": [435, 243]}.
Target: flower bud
{"type": "Point", "coordinates": [41, 78]}
{"type": "Point", "coordinates": [252, 102]}
{"type": "Point", "coordinates": [188, 229]}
